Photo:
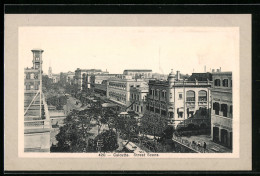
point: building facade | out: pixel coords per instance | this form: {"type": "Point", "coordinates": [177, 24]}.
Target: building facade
{"type": "Point", "coordinates": [138, 74]}
{"type": "Point", "coordinates": [178, 100]}
{"type": "Point", "coordinates": [98, 83]}
{"type": "Point", "coordinates": [82, 78]}
{"type": "Point", "coordinates": [222, 108]}
{"type": "Point", "coordinates": [138, 98]}
{"type": "Point", "coordinates": [118, 89]}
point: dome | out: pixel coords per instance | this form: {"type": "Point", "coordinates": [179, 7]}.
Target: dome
{"type": "Point", "coordinates": [171, 75]}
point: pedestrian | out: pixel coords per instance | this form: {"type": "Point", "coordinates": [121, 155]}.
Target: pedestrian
{"type": "Point", "coordinates": [198, 144]}
{"type": "Point", "coordinates": [205, 146]}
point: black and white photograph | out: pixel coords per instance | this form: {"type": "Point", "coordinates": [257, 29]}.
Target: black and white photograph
{"type": "Point", "coordinates": [128, 90]}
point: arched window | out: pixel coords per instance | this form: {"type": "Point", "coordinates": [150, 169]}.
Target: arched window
{"type": "Point", "coordinates": [202, 95]}
{"type": "Point", "coordinates": [225, 83]}
{"type": "Point", "coordinates": [190, 95]}
{"type": "Point", "coordinates": [217, 82]}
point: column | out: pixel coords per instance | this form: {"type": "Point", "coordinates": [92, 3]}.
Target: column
{"type": "Point", "coordinates": [219, 134]}
{"type": "Point", "coordinates": [212, 132]}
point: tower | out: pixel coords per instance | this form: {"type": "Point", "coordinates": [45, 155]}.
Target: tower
{"type": "Point", "coordinates": [50, 72]}
{"type": "Point", "coordinates": [171, 78]}
{"type": "Point", "coordinates": [34, 79]}
{"type": "Point", "coordinates": [37, 59]}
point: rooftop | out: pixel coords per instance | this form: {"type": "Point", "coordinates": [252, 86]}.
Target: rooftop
{"type": "Point", "coordinates": [138, 70]}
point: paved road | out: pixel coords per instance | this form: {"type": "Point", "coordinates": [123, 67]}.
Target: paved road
{"type": "Point", "coordinates": [71, 104]}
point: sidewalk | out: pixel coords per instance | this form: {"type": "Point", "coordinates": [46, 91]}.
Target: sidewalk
{"type": "Point", "coordinates": [212, 147]}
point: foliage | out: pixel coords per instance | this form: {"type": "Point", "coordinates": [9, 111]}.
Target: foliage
{"type": "Point", "coordinates": [109, 141]}
{"type": "Point", "coordinates": [59, 102]}
{"type": "Point", "coordinates": [168, 133]}
{"type": "Point", "coordinates": [153, 124]}
{"type": "Point", "coordinates": [73, 136]}
{"type": "Point", "coordinates": [127, 125]}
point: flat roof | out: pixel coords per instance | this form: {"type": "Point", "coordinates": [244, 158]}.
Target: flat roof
{"type": "Point", "coordinates": [138, 70]}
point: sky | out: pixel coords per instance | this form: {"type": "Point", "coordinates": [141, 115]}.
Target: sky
{"type": "Point", "coordinates": [118, 48]}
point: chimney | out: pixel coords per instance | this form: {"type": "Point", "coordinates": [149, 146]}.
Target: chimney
{"type": "Point", "coordinates": [177, 75]}
{"type": "Point", "coordinates": [218, 70]}
{"type": "Point", "coordinates": [213, 70]}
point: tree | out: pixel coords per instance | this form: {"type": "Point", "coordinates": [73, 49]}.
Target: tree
{"type": "Point", "coordinates": [73, 136]}
{"type": "Point", "coordinates": [153, 124]}
{"type": "Point", "coordinates": [127, 125]}
{"type": "Point", "coordinates": [109, 141]}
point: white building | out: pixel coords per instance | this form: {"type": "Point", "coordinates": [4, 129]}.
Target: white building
{"type": "Point", "coordinates": [222, 107]}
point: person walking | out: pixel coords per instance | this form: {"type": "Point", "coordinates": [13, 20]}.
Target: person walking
{"type": "Point", "coordinates": [205, 146]}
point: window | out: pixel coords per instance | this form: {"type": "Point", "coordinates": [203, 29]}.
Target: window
{"type": "Point", "coordinates": [217, 82]}
{"type": "Point", "coordinates": [150, 92]}
{"type": "Point", "coordinates": [163, 112]}
{"type": "Point", "coordinates": [231, 109]}
{"type": "Point", "coordinates": [224, 109]}
{"type": "Point", "coordinates": [141, 108]}
{"type": "Point", "coordinates": [171, 114]}
{"type": "Point", "coordinates": [190, 95]}
{"type": "Point", "coordinates": [32, 76]}
{"type": "Point", "coordinates": [216, 108]}
{"type": "Point", "coordinates": [156, 93]}
{"type": "Point", "coordinates": [162, 94]}
{"type": "Point", "coordinates": [231, 83]}
{"type": "Point", "coordinates": [31, 87]}
{"type": "Point", "coordinates": [180, 96]}
{"type": "Point", "coordinates": [202, 95]}
{"type": "Point", "coordinates": [180, 114]}
{"type": "Point", "coordinates": [137, 108]}
{"type": "Point", "coordinates": [225, 83]}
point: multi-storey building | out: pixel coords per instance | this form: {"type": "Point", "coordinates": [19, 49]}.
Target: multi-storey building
{"type": "Point", "coordinates": [70, 77]}
{"type": "Point", "coordinates": [98, 83]}
{"type": "Point", "coordinates": [178, 100]}
{"type": "Point", "coordinates": [138, 74]}
{"type": "Point", "coordinates": [118, 89]}
{"type": "Point", "coordinates": [222, 113]}
{"type": "Point", "coordinates": [82, 77]}
{"type": "Point", "coordinates": [138, 97]}
{"type": "Point", "coordinates": [36, 114]}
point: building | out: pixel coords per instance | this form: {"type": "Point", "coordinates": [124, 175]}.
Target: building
{"type": "Point", "coordinates": [200, 77]}
{"type": "Point", "coordinates": [98, 83]}
{"type": "Point", "coordinates": [36, 115]}
{"type": "Point", "coordinates": [138, 74]}
{"type": "Point", "coordinates": [70, 77]}
{"type": "Point", "coordinates": [118, 89]}
{"type": "Point", "coordinates": [178, 100]}
{"type": "Point", "coordinates": [138, 97]}
{"type": "Point", "coordinates": [82, 77]}
{"type": "Point", "coordinates": [222, 113]}
{"type": "Point", "coordinates": [55, 78]}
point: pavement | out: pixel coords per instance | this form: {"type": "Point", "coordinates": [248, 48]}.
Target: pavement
{"type": "Point", "coordinates": [212, 146]}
